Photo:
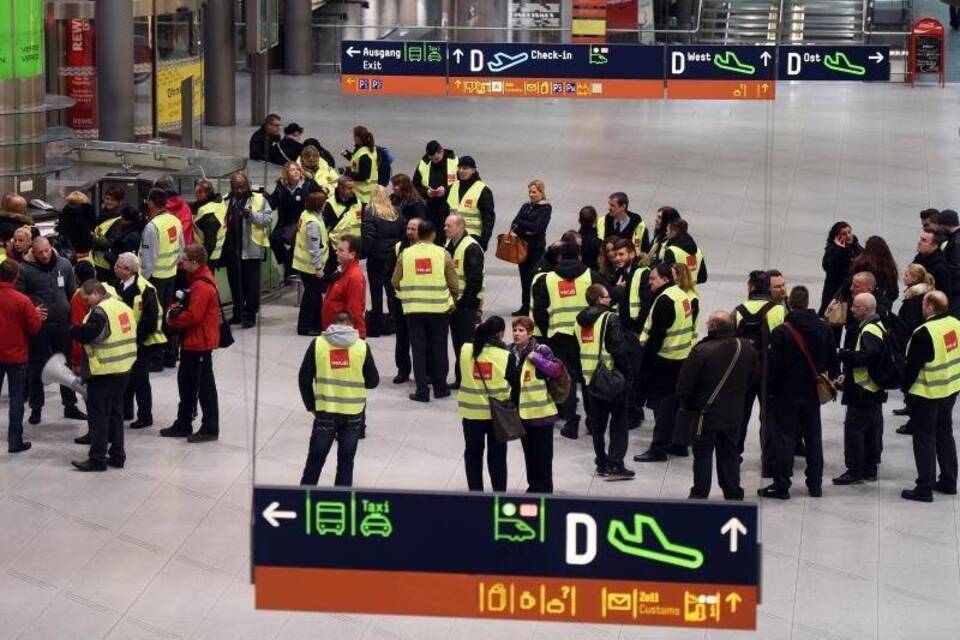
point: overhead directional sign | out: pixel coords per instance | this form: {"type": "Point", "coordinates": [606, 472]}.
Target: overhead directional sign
{"type": "Point", "coordinates": [721, 72]}
{"type": "Point", "coordinates": [850, 64]}
{"type": "Point", "coordinates": [689, 563]}
{"type": "Point", "coordinates": [393, 68]}
{"type": "Point", "coordinates": [556, 71]}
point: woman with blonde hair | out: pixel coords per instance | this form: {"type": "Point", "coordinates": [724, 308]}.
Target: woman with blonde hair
{"type": "Point", "coordinates": [530, 225]}
{"type": "Point", "coordinates": [76, 225]}
{"type": "Point", "coordinates": [380, 230]}
{"type": "Point", "coordinates": [313, 165]}
{"type": "Point", "coordinates": [684, 281]}
{"type": "Point", "coordinates": [288, 200]}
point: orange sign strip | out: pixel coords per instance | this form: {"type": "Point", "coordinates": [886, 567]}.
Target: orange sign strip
{"type": "Point", "coordinates": [548, 88]}
{"type": "Point", "coordinates": [721, 89]}
{"type": "Point", "coordinates": [507, 597]}
{"type": "Point", "coordinates": [393, 85]}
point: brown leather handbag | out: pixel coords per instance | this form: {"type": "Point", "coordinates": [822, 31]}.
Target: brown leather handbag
{"type": "Point", "coordinates": [511, 249]}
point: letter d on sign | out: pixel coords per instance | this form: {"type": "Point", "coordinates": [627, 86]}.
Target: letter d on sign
{"type": "Point", "coordinates": [576, 521]}
{"type": "Point", "coordinates": [476, 60]}
{"type": "Point", "coordinates": [793, 64]}
{"type": "Point", "coordinates": [677, 64]}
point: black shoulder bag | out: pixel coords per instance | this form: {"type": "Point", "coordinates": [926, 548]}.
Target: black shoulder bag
{"type": "Point", "coordinates": [608, 384]}
{"type": "Point", "coordinates": [689, 423]}
{"type": "Point", "coordinates": [505, 415]}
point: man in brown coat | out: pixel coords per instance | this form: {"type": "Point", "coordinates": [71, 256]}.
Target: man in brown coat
{"type": "Point", "coordinates": [700, 376]}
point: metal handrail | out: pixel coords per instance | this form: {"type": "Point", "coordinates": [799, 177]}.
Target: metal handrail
{"type": "Point", "coordinates": [863, 27]}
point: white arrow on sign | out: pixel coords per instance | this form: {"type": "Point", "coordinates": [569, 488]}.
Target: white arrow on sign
{"type": "Point", "coordinates": [766, 57]}
{"type": "Point", "coordinates": [272, 515]}
{"type": "Point", "coordinates": [458, 54]}
{"type": "Point", "coordinates": [877, 57]}
{"type": "Point", "coordinates": [352, 52]}
{"type": "Point", "coordinates": [735, 528]}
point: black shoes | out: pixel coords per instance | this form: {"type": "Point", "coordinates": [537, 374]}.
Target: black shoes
{"type": "Point", "coordinates": [815, 492]}
{"type": "Point", "coordinates": [234, 320]}
{"type": "Point", "coordinates": [944, 489]}
{"type": "Point", "coordinates": [773, 492]}
{"type": "Point", "coordinates": [679, 451]}
{"type": "Point", "coordinates": [901, 412]}
{"type": "Point", "coordinates": [18, 448]}
{"type": "Point", "coordinates": [202, 436]}
{"type": "Point", "coordinates": [601, 471]}
{"type": "Point", "coordinates": [175, 431]}
{"type": "Point", "coordinates": [248, 324]}
{"type": "Point", "coordinates": [155, 367]}
{"type": "Point", "coordinates": [89, 465]}
{"type": "Point", "coordinates": [84, 439]}
{"type": "Point", "coordinates": [570, 430]}
{"type": "Point", "coordinates": [916, 496]}
{"type": "Point", "coordinates": [848, 477]}
{"type": "Point", "coordinates": [70, 413]}
{"type": "Point", "coordinates": [441, 393]}
{"type": "Point", "coordinates": [416, 397]}
{"type": "Point", "coordinates": [650, 456]}
{"type": "Point", "coordinates": [141, 423]}
{"type": "Point", "coordinates": [619, 472]}
{"type": "Point", "coordinates": [454, 385]}
{"type": "Point", "coordinates": [905, 430]}
{"type": "Point", "coordinates": [34, 416]}
{"type": "Point", "coordinates": [400, 378]}
{"type": "Point", "coordinates": [520, 312]}
{"type": "Point", "coordinates": [116, 463]}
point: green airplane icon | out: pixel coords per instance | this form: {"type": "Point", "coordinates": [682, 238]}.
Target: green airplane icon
{"type": "Point", "coordinates": [652, 546]}
{"type": "Point", "coordinates": [839, 62]}
{"type": "Point", "coordinates": [728, 61]}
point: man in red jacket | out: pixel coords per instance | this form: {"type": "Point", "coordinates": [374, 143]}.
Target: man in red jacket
{"type": "Point", "coordinates": [348, 291]}
{"type": "Point", "coordinates": [200, 322]}
{"type": "Point", "coordinates": [19, 319]}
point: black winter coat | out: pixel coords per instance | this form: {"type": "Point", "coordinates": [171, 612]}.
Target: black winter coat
{"type": "Point", "coordinates": [836, 266]}
{"type": "Point", "coordinates": [530, 224]}
{"type": "Point", "coordinates": [936, 265]}
{"type": "Point", "coordinates": [289, 203]}
{"type": "Point", "coordinates": [75, 226]}
{"type": "Point", "coordinates": [379, 236]}
{"type": "Point", "coordinates": [703, 370]}
{"type": "Point", "coordinates": [790, 381]}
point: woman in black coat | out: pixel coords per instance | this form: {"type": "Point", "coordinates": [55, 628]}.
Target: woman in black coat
{"type": "Point", "coordinates": [842, 247]}
{"type": "Point", "coordinates": [530, 225]}
{"type": "Point", "coordinates": [381, 229]}
{"type": "Point", "coordinates": [76, 224]}
{"type": "Point", "coordinates": [407, 199]}
{"type": "Point", "coordinates": [288, 200]}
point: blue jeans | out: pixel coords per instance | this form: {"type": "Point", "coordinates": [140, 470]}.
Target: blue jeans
{"type": "Point", "coordinates": [16, 375]}
{"type": "Point", "coordinates": [328, 427]}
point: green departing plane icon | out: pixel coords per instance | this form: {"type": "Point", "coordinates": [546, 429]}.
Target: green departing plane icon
{"type": "Point", "coordinates": [728, 61]}
{"type": "Point", "coordinates": [839, 62]}
{"type": "Point", "coordinates": [652, 545]}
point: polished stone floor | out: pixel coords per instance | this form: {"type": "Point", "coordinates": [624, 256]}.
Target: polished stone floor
{"type": "Point", "coordinates": [160, 550]}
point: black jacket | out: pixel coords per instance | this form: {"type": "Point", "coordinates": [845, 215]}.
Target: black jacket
{"type": "Point", "coordinates": [273, 147]}
{"type": "Point", "coordinates": [488, 216]}
{"type": "Point", "coordinates": [688, 244]}
{"type": "Point", "coordinates": [703, 370]}
{"type": "Point", "coordinates": [952, 255]}
{"type": "Point", "coordinates": [51, 284]}
{"type": "Point", "coordinates": [911, 311]}
{"type": "Point", "coordinates": [660, 374]}
{"type": "Point", "coordinates": [364, 167]}
{"type": "Point", "coordinates": [208, 225]}
{"type": "Point", "coordinates": [568, 270]}
{"type": "Point", "coordinates": [308, 373]}
{"type": "Point", "coordinates": [936, 265]}
{"type": "Point", "coordinates": [610, 229]}
{"type": "Point", "coordinates": [790, 381]}
{"type": "Point", "coordinates": [379, 236]}
{"type": "Point", "coordinates": [289, 203]}
{"type": "Point", "coordinates": [590, 247]}
{"type": "Point", "coordinates": [291, 148]}
{"type": "Point", "coordinates": [614, 339]}
{"type": "Point", "coordinates": [150, 316]}
{"type": "Point", "coordinates": [472, 273]}
{"type": "Point", "coordinates": [530, 224]}
{"type": "Point", "coordinates": [621, 294]}
{"type": "Point", "coordinates": [836, 267]}
{"type": "Point", "coordinates": [437, 177]}
{"type": "Point", "coordinates": [410, 209]}
{"type": "Point", "coordinates": [75, 226]}
{"type": "Point", "coordinates": [123, 237]}
{"type": "Point", "coordinates": [869, 354]}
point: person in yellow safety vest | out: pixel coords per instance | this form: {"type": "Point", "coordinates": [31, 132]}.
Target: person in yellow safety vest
{"type": "Point", "coordinates": [557, 299]}
{"type": "Point", "coordinates": [426, 284]}
{"type": "Point", "coordinates": [137, 293]}
{"type": "Point", "coordinates": [288, 200]}
{"type": "Point", "coordinates": [665, 215]}
{"type": "Point", "coordinates": [487, 370]}
{"type": "Point", "coordinates": [209, 220]}
{"type": "Point", "coordinates": [536, 364]}
{"type": "Point", "coordinates": [435, 173]}
{"type": "Point", "coordinates": [681, 248]}
{"type": "Point", "coordinates": [666, 340]}
{"type": "Point", "coordinates": [249, 218]}
{"type": "Point", "coordinates": [468, 261]}
{"type": "Point", "coordinates": [864, 398]}
{"type": "Point", "coordinates": [778, 287]}
{"type": "Point", "coordinates": [633, 299]}
{"type": "Point", "coordinates": [623, 223]}
{"type": "Point", "coordinates": [161, 248]}
{"type": "Point", "coordinates": [337, 370]}
{"type": "Point", "coordinates": [363, 160]}
{"type": "Point", "coordinates": [311, 249]}
{"type": "Point", "coordinates": [109, 338]}
{"type": "Point", "coordinates": [931, 383]}
{"type": "Point", "coordinates": [343, 215]}
{"type": "Point", "coordinates": [472, 198]}
{"type": "Point", "coordinates": [600, 340]}
{"type": "Point", "coordinates": [118, 231]}
{"type": "Point", "coordinates": [315, 167]}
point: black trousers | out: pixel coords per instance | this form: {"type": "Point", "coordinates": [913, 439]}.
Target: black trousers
{"type": "Point", "coordinates": [463, 322]}
{"type": "Point", "coordinates": [790, 422]}
{"type": "Point", "coordinates": [105, 416]}
{"type": "Point", "coordinates": [244, 279]}
{"type": "Point", "coordinates": [379, 281]}
{"type": "Point", "coordinates": [954, 15]}
{"type": "Point", "coordinates": [600, 415]}
{"type": "Point", "coordinates": [51, 339]}
{"type": "Point", "coordinates": [428, 340]}
{"type": "Point", "coordinates": [166, 294]}
{"type": "Point", "coordinates": [139, 387]}
{"type": "Point", "coordinates": [308, 319]}
{"type": "Point", "coordinates": [862, 433]}
{"type": "Point", "coordinates": [527, 269]}
{"type": "Point", "coordinates": [565, 348]}
{"type": "Point", "coordinates": [16, 375]}
{"type": "Point", "coordinates": [636, 395]}
{"type": "Point", "coordinates": [665, 418]}
{"type": "Point", "coordinates": [195, 382]}
{"type": "Point", "coordinates": [538, 457]}
{"type": "Point", "coordinates": [401, 349]}
{"type": "Point", "coordinates": [282, 248]}
{"type": "Point", "coordinates": [933, 442]}
{"type": "Point", "coordinates": [328, 427]}
{"type": "Point", "coordinates": [477, 435]}
{"type": "Point", "coordinates": [724, 443]}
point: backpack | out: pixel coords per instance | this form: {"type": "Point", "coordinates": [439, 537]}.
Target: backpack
{"type": "Point", "coordinates": [753, 326]}
{"type": "Point", "coordinates": [888, 369]}
{"type": "Point", "coordinates": [384, 166]}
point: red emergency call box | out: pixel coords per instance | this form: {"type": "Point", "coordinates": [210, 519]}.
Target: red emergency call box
{"type": "Point", "coordinates": [927, 50]}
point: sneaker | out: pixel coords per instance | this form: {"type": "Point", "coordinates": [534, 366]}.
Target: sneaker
{"type": "Point", "coordinates": [774, 492]}
{"type": "Point", "coordinates": [848, 477]}
{"type": "Point", "coordinates": [73, 413]}
{"type": "Point", "coordinates": [619, 472]}
{"type": "Point", "coordinates": [916, 496]}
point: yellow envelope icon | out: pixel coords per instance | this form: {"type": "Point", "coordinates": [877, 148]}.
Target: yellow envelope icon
{"type": "Point", "coordinates": [619, 602]}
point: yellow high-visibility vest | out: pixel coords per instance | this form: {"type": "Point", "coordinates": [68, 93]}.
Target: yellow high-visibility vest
{"type": "Point", "coordinates": [940, 378]}
{"type": "Point", "coordinates": [169, 238]}
{"type": "Point", "coordinates": [157, 336]}
{"type": "Point", "coordinates": [679, 339]}
{"type": "Point", "coordinates": [338, 386]}
{"type": "Point", "coordinates": [468, 205]}
{"type": "Point", "coordinates": [591, 351]}
{"type": "Point", "coordinates": [423, 287]}
{"type": "Point", "coordinates": [259, 235]}
{"type": "Point", "coordinates": [567, 299]}
{"type": "Point", "coordinates": [861, 376]}
{"type": "Point", "coordinates": [458, 258]}
{"type": "Point", "coordinates": [301, 257]}
{"type": "Point", "coordinates": [637, 236]}
{"type": "Point", "coordinates": [634, 293]}
{"type": "Point", "coordinates": [424, 169]}
{"type": "Point", "coordinates": [348, 220]}
{"type": "Point", "coordinates": [692, 261]}
{"type": "Point", "coordinates": [219, 211]}
{"type": "Point", "coordinates": [473, 399]}
{"type": "Point", "coordinates": [775, 314]}
{"type": "Point", "coordinates": [364, 188]}
{"type": "Point", "coordinates": [325, 176]}
{"type": "Point", "coordinates": [117, 352]}
{"type": "Point", "coordinates": [535, 401]}
{"type": "Point", "coordinates": [100, 231]}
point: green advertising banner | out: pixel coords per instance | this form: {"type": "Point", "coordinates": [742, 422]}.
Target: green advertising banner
{"type": "Point", "coordinates": [6, 40]}
{"type": "Point", "coordinates": [27, 38]}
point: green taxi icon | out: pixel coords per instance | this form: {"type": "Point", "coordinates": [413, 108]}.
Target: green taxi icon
{"type": "Point", "coordinates": [376, 524]}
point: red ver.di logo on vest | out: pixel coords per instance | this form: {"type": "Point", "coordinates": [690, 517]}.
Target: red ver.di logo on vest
{"type": "Point", "coordinates": [567, 288]}
{"type": "Point", "coordinates": [339, 359]}
{"type": "Point", "coordinates": [172, 234]}
{"type": "Point", "coordinates": [586, 334]}
{"type": "Point", "coordinates": [125, 322]}
{"type": "Point", "coordinates": [691, 262]}
{"type": "Point", "coordinates": [483, 371]}
{"type": "Point", "coordinates": [424, 266]}
{"type": "Point", "coordinates": [950, 341]}
{"type": "Point", "coordinates": [686, 308]}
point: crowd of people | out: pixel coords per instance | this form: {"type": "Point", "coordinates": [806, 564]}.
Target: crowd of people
{"type": "Point", "coordinates": [609, 314]}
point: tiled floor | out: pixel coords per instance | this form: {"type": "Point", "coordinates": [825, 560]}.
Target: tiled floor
{"type": "Point", "coordinates": [161, 550]}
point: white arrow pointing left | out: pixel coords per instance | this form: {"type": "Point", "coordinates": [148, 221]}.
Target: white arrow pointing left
{"type": "Point", "coordinates": [877, 57]}
{"type": "Point", "coordinates": [352, 52]}
{"type": "Point", "coordinates": [735, 528]}
{"type": "Point", "coordinates": [273, 515]}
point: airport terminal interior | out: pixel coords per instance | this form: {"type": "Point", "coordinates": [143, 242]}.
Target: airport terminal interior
{"type": "Point", "coordinates": [162, 548]}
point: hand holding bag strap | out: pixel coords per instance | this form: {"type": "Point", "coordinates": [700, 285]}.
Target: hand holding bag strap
{"type": "Point", "coordinates": [726, 375]}
{"type": "Point", "coordinates": [804, 349]}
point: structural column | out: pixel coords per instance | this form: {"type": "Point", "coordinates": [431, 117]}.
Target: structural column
{"type": "Point", "coordinates": [297, 38]}
{"type": "Point", "coordinates": [115, 102]}
{"type": "Point", "coordinates": [219, 70]}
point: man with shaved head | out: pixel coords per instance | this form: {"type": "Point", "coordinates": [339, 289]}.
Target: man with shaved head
{"type": "Point", "coordinates": [931, 383]}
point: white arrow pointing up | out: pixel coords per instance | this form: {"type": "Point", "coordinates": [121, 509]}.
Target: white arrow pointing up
{"type": "Point", "coordinates": [458, 54]}
{"type": "Point", "coordinates": [766, 57]}
{"type": "Point", "coordinates": [877, 57]}
{"type": "Point", "coordinates": [273, 516]}
{"type": "Point", "coordinates": [352, 52]}
{"type": "Point", "coordinates": [735, 528]}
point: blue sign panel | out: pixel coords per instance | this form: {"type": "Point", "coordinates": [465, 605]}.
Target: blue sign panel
{"type": "Point", "coordinates": [850, 64]}
{"type": "Point", "coordinates": [393, 58]}
{"type": "Point", "coordinates": [720, 62]}
{"type": "Point", "coordinates": [595, 61]}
